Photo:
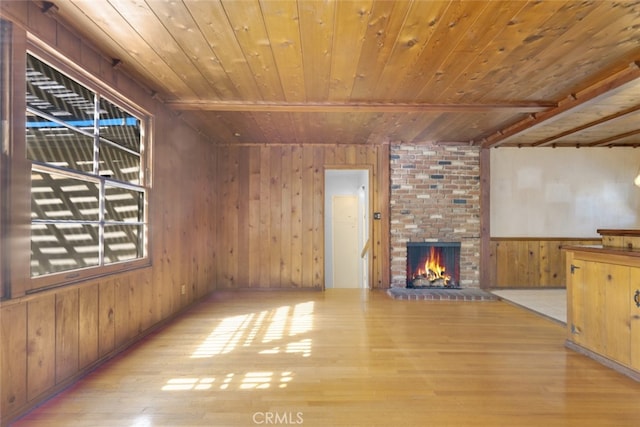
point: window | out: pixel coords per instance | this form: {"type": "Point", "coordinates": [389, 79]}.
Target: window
{"type": "Point", "coordinates": [88, 193]}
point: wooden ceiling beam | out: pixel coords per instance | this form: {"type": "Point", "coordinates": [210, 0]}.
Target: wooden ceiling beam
{"type": "Point", "coordinates": [609, 140]}
{"type": "Point", "coordinates": [549, 141]}
{"type": "Point", "coordinates": [592, 94]}
{"type": "Point", "coordinates": [357, 107]}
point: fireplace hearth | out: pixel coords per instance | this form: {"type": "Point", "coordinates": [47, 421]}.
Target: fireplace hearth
{"type": "Point", "coordinates": [433, 265]}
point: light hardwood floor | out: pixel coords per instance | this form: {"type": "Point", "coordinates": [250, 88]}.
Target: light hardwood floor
{"type": "Point", "coordinates": [348, 358]}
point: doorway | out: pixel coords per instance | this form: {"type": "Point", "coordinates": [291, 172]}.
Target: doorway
{"type": "Point", "coordinates": [347, 228]}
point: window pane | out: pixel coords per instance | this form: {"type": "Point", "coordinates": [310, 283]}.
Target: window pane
{"type": "Point", "coordinates": [119, 164]}
{"type": "Point", "coordinates": [53, 93]}
{"type": "Point", "coordinates": [81, 219]}
{"type": "Point", "coordinates": [119, 126]}
{"type": "Point", "coordinates": [123, 242]}
{"type": "Point", "coordinates": [57, 197]}
{"type": "Point", "coordinates": [49, 142]}
{"type": "Point", "coordinates": [62, 247]}
{"type": "Point", "coordinates": [123, 205]}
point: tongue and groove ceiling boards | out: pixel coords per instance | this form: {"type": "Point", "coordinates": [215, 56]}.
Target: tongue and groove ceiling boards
{"type": "Point", "coordinates": [488, 73]}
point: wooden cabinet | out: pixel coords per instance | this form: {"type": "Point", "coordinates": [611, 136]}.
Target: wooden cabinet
{"type": "Point", "coordinates": [603, 315]}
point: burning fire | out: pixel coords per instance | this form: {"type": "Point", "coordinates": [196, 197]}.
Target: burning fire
{"type": "Point", "coordinates": [433, 268]}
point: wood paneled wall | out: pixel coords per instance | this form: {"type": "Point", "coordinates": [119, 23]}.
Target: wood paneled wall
{"type": "Point", "coordinates": [50, 338]}
{"type": "Point", "coordinates": [229, 217]}
{"type": "Point", "coordinates": [270, 203]}
{"type": "Point", "coordinates": [530, 262]}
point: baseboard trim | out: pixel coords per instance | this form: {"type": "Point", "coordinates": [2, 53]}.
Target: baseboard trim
{"type": "Point", "coordinates": [609, 363]}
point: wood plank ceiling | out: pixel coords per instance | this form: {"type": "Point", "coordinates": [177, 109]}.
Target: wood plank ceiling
{"type": "Point", "coordinates": [490, 73]}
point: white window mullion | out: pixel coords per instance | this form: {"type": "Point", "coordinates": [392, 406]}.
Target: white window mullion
{"type": "Point", "coordinates": [96, 171]}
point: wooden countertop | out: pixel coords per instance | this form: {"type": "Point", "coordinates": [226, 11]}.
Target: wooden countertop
{"type": "Point", "coordinates": [611, 255]}
{"type": "Point", "coordinates": [618, 232]}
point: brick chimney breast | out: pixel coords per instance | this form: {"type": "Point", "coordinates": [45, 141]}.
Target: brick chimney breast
{"type": "Point", "coordinates": [435, 196]}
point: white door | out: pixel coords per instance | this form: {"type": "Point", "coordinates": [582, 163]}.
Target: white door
{"type": "Point", "coordinates": [346, 254]}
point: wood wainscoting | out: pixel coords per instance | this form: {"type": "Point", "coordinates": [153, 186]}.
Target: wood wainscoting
{"type": "Point", "coordinates": [525, 262]}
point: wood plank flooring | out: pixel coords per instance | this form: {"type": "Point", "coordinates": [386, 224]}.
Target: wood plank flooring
{"type": "Point", "coordinates": [348, 358]}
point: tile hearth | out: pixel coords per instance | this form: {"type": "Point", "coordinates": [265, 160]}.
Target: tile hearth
{"type": "Point", "coordinates": [441, 294]}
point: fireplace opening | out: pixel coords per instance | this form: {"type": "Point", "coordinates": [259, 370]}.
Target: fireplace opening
{"type": "Point", "coordinates": [433, 265]}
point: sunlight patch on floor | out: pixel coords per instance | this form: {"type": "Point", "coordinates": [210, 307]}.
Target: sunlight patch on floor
{"type": "Point", "coordinates": [285, 321]}
{"type": "Point", "coordinates": [258, 380]}
{"type": "Point", "coordinates": [225, 337]}
{"type": "Point", "coordinates": [181, 384]}
{"type": "Point", "coordinates": [275, 327]}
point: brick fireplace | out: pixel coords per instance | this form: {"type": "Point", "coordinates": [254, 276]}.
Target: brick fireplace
{"type": "Point", "coordinates": [435, 197]}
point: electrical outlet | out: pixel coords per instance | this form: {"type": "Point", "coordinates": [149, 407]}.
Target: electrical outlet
{"type": "Point", "coordinates": [183, 290]}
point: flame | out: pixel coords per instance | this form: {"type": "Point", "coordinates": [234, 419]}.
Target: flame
{"type": "Point", "coordinates": [434, 268]}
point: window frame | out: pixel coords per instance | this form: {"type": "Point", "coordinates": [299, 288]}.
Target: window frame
{"type": "Point", "coordinates": [6, 30]}
{"type": "Point", "coordinates": [104, 91]}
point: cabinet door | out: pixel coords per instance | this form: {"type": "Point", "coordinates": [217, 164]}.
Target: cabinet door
{"type": "Point", "coordinates": [575, 299]}
{"type": "Point", "coordinates": [634, 318]}
{"type": "Point", "coordinates": [615, 280]}
{"type": "Point", "coordinates": [593, 332]}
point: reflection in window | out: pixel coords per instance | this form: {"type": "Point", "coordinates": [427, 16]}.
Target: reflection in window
{"type": "Point", "coordinates": [87, 193]}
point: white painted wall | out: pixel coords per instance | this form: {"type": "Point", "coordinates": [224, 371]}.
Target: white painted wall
{"type": "Point", "coordinates": [563, 192]}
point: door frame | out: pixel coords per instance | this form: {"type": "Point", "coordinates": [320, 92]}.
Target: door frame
{"type": "Point", "coordinates": [369, 207]}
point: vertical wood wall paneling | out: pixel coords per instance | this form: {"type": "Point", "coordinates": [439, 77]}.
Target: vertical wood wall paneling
{"type": "Point", "coordinates": [106, 317]}
{"type": "Point", "coordinates": [285, 219]}
{"type": "Point", "coordinates": [148, 311]}
{"type": "Point", "coordinates": [67, 324]}
{"type": "Point", "coordinates": [276, 224]}
{"type": "Point", "coordinates": [13, 357]}
{"type": "Point", "coordinates": [308, 173]}
{"type": "Point", "coordinates": [296, 216]}
{"type": "Point", "coordinates": [318, 217]}
{"type": "Point", "coordinates": [232, 212]}
{"type": "Point", "coordinates": [136, 313]}
{"type": "Point", "coordinates": [122, 315]}
{"type": "Point", "coordinates": [265, 217]}
{"type": "Point", "coordinates": [255, 238]}
{"type": "Point", "coordinates": [221, 256]}
{"type": "Point", "coordinates": [41, 345]}
{"type": "Point", "coordinates": [547, 270]}
{"type": "Point", "coordinates": [88, 336]}
{"type": "Point", "coordinates": [243, 213]}
{"type": "Point", "coordinates": [529, 262]}
{"type": "Point", "coordinates": [276, 196]}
